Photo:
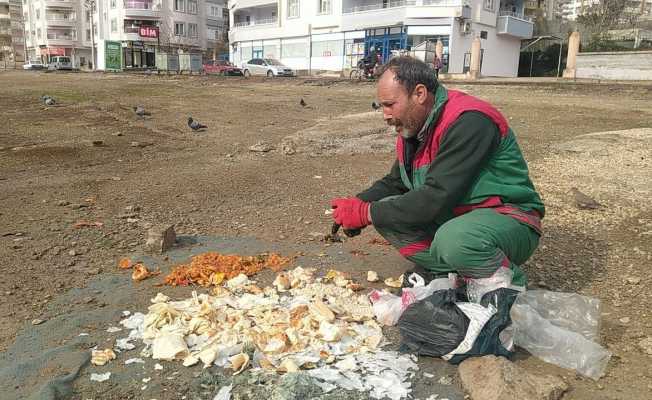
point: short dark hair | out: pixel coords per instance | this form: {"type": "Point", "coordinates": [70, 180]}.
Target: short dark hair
{"type": "Point", "coordinates": [410, 72]}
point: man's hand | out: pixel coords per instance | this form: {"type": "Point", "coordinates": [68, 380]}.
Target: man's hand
{"type": "Point", "coordinates": [351, 213]}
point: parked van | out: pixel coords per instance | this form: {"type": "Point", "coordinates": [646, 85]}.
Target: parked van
{"type": "Point", "coordinates": [60, 62]}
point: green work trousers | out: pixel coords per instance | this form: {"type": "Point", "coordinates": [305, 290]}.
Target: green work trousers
{"type": "Point", "coordinates": [474, 245]}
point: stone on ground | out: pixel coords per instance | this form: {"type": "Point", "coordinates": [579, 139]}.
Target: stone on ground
{"type": "Point", "coordinates": [160, 238]}
{"type": "Point", "coordinates": [496, 378]}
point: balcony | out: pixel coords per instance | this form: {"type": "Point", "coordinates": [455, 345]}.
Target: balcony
{"type": "Point", "coordinates": [59, 3]}
{"type": "Point", "coordinates": [61, 19]}
{"type": "Point", "coordinates": [61, 38]}
{"type": "Point", "coordinates": [256, 22]}
{"type": "Point", "coordinates": [142, 8]}
{"type": "Point", "coordinates": [516, 25]}
{"type": "Point", "coordinates": [355, 9]}
{"type": "Point", "coordinates": [363, 14]}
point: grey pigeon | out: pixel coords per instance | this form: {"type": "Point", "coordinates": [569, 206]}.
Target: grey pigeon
{"type": "Point", "coordinates": [194, 125]}
{"type": "Point", "coordinates": [303, 103]}
{"type": "Point", "coordinates": [141, 112]}
{"type": "Point", "coordinates": [583, 201]}
{"type": "Point", "coordinates": [48, 100]}
{"type": "Point", "coordinates": [375, 105]}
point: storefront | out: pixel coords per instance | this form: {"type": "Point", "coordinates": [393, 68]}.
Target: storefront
{"type": "Point", "coordinates": [138, 55]}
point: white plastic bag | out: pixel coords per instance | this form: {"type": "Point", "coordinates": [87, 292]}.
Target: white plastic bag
{"type": "Point", "coordinates": [476, 288]}
{"type": "Point", "coordinates": [388, 307]}
{"type": "Point", "coordinates": [559, 328]}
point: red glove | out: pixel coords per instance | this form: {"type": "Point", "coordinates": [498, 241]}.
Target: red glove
{"type": "Point", "coordinates": [351, 213]}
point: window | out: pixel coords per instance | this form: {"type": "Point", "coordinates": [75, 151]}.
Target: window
{"type": "Point", "coordinates": [325, 7]}
{"type": "Point", "coordinates": [179, 28]}
{"type": "Point", "coordinates": [293, 8]}
{"type": "Point", "coordinates": [88, 16]}
{"type": "Point", "coordinates": [225, 14]}
{"type": "Point", "coordinates": [192, 30]}
{"type": "Point", "coordinates": [38, 13]}
{"type": "Point", "coordinates": [215, 11]}
{"type": "Point", "coordinates": [192, 6]}
{"type": "Point", "coordinates": [179, 5]}
{"type": "Point", "coordinates": [82, 60]}
{"type": "Point", "coordinates": [112, 3]}
{"type": "Point", "coordinates": [88, 34]}
{"type": "Point", "coordinates": [38, 33]}
{"type": "Point", "coordinates": [483, 34]}
{"type": "Point", "coordinates": [114, 25]}
{"type": "Point", "coordinates": [489, 5]}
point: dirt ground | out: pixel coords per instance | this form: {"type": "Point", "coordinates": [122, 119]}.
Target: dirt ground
{"type": "Point", "coordinates": [155, 170]}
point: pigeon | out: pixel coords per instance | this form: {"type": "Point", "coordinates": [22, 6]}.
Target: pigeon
{"type": "Point", "coordinates": [141, 112]}
{"type": "Point", "coordinates": [375, 105]}
{"type": "Point", "coordinates": [48, 100]}
{"type": "Point", "coordinates": [194, 125]}
{"type": "Point", "coordinates": [584, 202]}
{"type": "Point", "coordinates": [303, 103]}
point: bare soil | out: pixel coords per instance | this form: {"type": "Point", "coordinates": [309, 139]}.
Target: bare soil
{"type": "Point", "coordinates": [52, 176]}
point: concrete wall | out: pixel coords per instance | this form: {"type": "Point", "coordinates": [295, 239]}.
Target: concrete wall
{"type": "Point", "coordinates": [630, 65]}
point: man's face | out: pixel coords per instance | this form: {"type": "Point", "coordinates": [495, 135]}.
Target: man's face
{"type": "Point", "coordinates": [406, 112]}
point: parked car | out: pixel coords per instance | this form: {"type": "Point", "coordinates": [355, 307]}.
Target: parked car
{"type": "Point", "coordinates": [34, 65]}
{"type": "Point", "coordinates": [60, 63]}
{"type": "Point", "coordinates": [221, 67]}
{"type": "Point", "coordinates": [266, 66]}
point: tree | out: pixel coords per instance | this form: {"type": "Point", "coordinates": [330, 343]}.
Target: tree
{"type": "Point", "coordinates": [605, 15]}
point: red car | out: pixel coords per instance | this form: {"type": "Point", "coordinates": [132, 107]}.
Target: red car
{"type": "Point", "coordinates": [221, 67]}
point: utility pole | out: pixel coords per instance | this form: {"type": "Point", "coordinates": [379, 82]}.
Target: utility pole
{"type": "Point", "coordinates": [90, 5]}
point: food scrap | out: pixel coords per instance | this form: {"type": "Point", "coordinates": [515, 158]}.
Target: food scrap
{"type": "Point", "coordinates": [101, 357]}
{"type": "Point", "coordinates": [372, 276]}
{"type": "Point", "coordinates": [394, 282]}
{"type": "Point", "coordinates": [141, 272]}
{"type": "Point", "coordinates": [210, 269]}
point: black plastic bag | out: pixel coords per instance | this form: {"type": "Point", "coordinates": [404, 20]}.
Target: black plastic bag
{"type": "Point", "coordinates": [488, 341]}
{"type": "Point", "coordinates": [434, 326]}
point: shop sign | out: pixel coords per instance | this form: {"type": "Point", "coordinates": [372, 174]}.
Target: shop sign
{"type": "Point", "coordinates": [112, 55]}
{"type": "Point", "coordinates": [137, 45]}
{"type": "Point", "coordinates": [148, 32]}
{"type": "Point", "coordinates": [54, 51]}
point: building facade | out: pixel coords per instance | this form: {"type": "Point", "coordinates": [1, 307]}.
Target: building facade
{"type": "Point", "coordinates": [332, 35]}
{"type": "Point", "coordinates": [217, 28]}
{"type": "Point", "coordinates": [144, 26]}
{"type": "Point", "coordinates": [12, 40]}
{"type": "Point", "coordinates": [57, 28]}
{"type": "Point", "coordinates": [140, 27]}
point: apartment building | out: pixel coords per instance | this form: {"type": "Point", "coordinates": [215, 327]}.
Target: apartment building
{"type": "Point", "coordinates": [12, 40]}
{"type": "Point", "coordinates": [217, 27]}
{"type": "Point", "coordinates": [332, 35]}
{"type": "Point", "coordinates": [57, 28]}
{"type": "Point", "coordinates": [142, 26]}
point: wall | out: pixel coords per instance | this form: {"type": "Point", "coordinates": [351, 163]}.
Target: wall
{"type": "Point", "coordinates": [631, 65]}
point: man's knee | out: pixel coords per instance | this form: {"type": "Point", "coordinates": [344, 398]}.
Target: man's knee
{"type": "Point", "coordinates": [453, 245]}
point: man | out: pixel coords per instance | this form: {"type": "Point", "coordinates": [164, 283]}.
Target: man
{"type": "Point", "coordinates": [458, 197]}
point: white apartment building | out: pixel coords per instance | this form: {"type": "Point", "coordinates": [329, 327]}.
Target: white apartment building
{"type": "Point", "coordinates": [12, 41]}
{"type": "Point", "coordinates": [332, 35]}
{"type": "Point", "coordinates": [217, 27]}
{"type": "Point", "coordinates": [63, 27]}
{"type": "Point", "coordinates": [142, 26]}
{"type": "Point", "coordinates": [57, 28]}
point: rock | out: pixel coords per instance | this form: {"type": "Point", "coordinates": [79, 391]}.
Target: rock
{"type": "Point", "coordinates": [633, 280]}
{"type": "Point", "coordinates": [77, 206]}
{"type": "Point", "coordinates": [140, 144]}
{"type": "Point", "coordinates": [624, 320]}
{"type": "Point", "coordinates": [98, 143]}
{"type": "Point", "coordinates": [496, 378]}
{"type": "Point", "coordinates": [37, 321]}
{"type": "Point", "coordinates": [72, 253]}
{"type": "Point", "coordinates": [160, 238]}
{"type": "Point", "coordinates": [63, 203]}
{"type": "Point", "coordinates": [132, 209]}
{"type": "Point", "coordinates": [646, 345]}
{"type": "Point", "coordinates": [261, 147]}
{"type": "Point", "coordinates": [288, 147]}
{"type": "Point", "coordinates": [117, 134]}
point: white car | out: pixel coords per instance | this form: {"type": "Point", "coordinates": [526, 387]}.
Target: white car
{"type": "Point", "coordinates": [34, 65]}
{"type": "Point", "coordinates": [266, 66]}
{"type": "Point", "coordinates": [60, 63]}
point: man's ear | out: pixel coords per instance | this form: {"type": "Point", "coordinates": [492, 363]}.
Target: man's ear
{"type": "Point", "coordinates": [420, 93]}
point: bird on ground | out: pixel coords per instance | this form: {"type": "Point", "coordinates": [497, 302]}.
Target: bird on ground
{"type": "Point", "coordinates": [375, 105]}
{"type": "Point", "coordinates": [141, 112]}
{"type": "Point", "coordinates": [303, 103]}
{"type": "Point", "coordinates": [48, 100]}
{"type": "Point", "coordinates": [194, 125]}
{"type": "Point", "coordinates": [583, 201]}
